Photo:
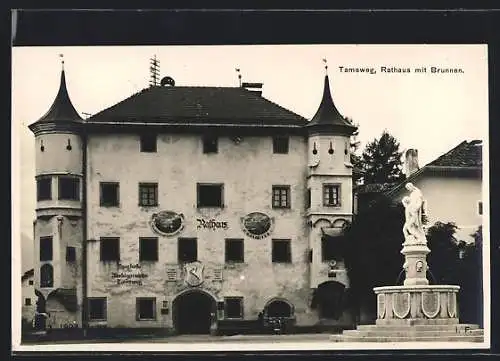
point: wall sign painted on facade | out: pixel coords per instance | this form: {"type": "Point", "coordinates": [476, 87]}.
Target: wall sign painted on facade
{"type": "Point", "coordinates": [211, 224]}
{"type": "Point", "coordinates": [193, 273]}
{"type": "Point", "coordinates": [129, 274]}
{"type": "Point", "coordinates": [257, 225]}
{"type": "Point", "coordinates": [167, 223]}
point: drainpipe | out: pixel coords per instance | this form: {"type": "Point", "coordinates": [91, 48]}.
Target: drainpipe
{"type": "Point", "coordinates": [84, 234]}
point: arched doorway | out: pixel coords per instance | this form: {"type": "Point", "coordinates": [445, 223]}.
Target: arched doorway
{"type": "Point", "coordinates": [40, 312]}
{"type": "Point", "coordinates": [192, 312]}
{"type": "Point", "coordinates": [328, 299]}
{"type": "Point", "coordinates": [278, 308]}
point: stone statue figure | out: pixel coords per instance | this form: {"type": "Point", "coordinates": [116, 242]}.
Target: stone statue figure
{"type": "Point", "coordinates": [413, 228]}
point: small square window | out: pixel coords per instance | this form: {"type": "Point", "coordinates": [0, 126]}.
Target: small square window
{"type": "Point", "coordinates": [281, 196]}
{"type": "Point", "coordinates": [210, 195]}
{"type": "Point", "coordinates": [69, 188]}
{"type": "Point", "coordinates": [281, 252]}
{"type": "Point", "coordinates": [331, 195]}
{"type": "Point", "coordinates": [148, 249]}
{"type": "Point", "coordinates": [97, 309]}
{"type": "Point", "coordinates": [30, 282]}
{"type": "Point", "coordinates": [110, 192]}
{"type": "Point", "coordinates": [234, 251]}
{"type": "Point", "coordinates": [233, 307]}
{"type": "Point", "coordinates": [110, 249]}
{"type": "Point", "coordinates": [44, 188]}
{"type": "Point", "coordinates": [148, 143]}
{"type": "Point", "coordinates": [210, 144]}
{"type": "Point", "coordinates": [187, 250]}
{"type": "Point", "coordinates": [46, 249]}
{"type": "Point", "coordinates": [280, 145]}
{"type": "Point", "coordinates": [148, 194]}
{"type": "Point", "coordinates": [70, 254]}
{"type": "Point", "coordinates": [27, 301]}
{"type": "Point", "coordinates": [146, 308]}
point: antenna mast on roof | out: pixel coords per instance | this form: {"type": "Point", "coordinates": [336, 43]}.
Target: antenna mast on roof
{"type": "Point", "coordinates": [154, 70]}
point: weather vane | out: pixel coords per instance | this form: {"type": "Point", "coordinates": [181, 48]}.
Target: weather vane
{"type": "Point", "coordinates": [239, 75]}
{"type": "Point", "coordinates": [326, 65]}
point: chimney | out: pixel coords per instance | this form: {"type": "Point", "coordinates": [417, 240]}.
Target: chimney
{"type": "Point", "coordinates": [411, 162]}
{"type": "Point", "coordinates": [253, 87]}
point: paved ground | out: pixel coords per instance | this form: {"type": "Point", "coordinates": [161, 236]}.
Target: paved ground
{"type": "Point", "coordinates": [295, 338]}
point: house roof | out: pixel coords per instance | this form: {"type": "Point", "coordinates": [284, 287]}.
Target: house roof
{"type": "Point", "coordinates": [466, 156]}
{"type": "Point", "coordinates": [62, 108]}
{"type": "Point", "coordinates": [328, 115]}
{"type": "Point", "coordinates": [187, 104]}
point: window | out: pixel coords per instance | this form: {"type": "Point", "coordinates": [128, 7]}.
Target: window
{"type": "Point", "coordinates": [480, 208]}
{"type": "Point", "coordinates": [45, 249]}
{"type": "Point", "coordinates": [210, 195]}
{"type": "Point", "coordinates": [97, 308]}
{"type": "Point", "coordinates": [44, 188]}
{"type": "Point", "coordinates": [280, 145]}
{"type": "Point", "coordinates": [187, 250]}
{"type": "Point", "coordinates": [27, 301]}
{"type": "Point", "coordinates": [148, 249]}
{"type": "Point", "coordinates": [109, 194]}
{"type": "Point", "coordinates": [233, 307]}
{"type": "Point", "coordinates": [234, 250]}
{"type": "Point", "coordinates": [281, 196]}
{"type": "Point", "coordinates": [69, 188]}
{"type": "Point", "coordinates": [70, 254]}
{"type": "Point", "coordinates": [30, 282]}
{"type": "Point", "coordinates": [282, 252]}
{"type": "Point", "coordinates": [110, 249]}
{"type": "Point", "coordinates": [329, 251]}
{"type": "Point", "coordinates": [148, 194]}
{"type": "Point", "coordinates": [46, 276]}
{"type": "Point", "coordinates": [210, 144]}
{"type": "Point", "coordinates": [308, 198]}
{"type": "Point", "coordinates": [146, 308]}
{"type": "Point", "coordinates": [331, 195]}
{"type": "Point", "coordinates": [148, 143]}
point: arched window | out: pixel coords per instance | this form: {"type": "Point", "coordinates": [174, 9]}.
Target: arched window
{"type": "Point", "coordinates": [46, 276]}
{"type": "Point", "coordinates": [279, 308]}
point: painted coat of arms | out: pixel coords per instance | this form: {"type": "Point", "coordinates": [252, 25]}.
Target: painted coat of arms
{"type": "Point", "coordinates": [193, 273]}
{"type": "Point", "coordinates": [167, 223]}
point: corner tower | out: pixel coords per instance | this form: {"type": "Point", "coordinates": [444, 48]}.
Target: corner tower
{"type": "Point", "coordinates": [59, 224]}
{"type": "Point", "coordinates": [329, 182]}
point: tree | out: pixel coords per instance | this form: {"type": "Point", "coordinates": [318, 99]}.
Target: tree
{"type": "Point", "coordinates": [443, 260]}
{"type": "Point", "coordinates": [382, 160]}
{"type": "Point", "coordinates": [372, 257]}
{"type": "Point", "coordinates": [356, 160]}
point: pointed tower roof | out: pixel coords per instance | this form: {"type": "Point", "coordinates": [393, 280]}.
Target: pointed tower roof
{"type": "Point", "coordinates": [62, 109]}
{"type": "Point", "coordinates": [327, 117]}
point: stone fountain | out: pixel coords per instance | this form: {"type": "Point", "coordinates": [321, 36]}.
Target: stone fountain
{"type": "Point", "coordinates": [415, 311]}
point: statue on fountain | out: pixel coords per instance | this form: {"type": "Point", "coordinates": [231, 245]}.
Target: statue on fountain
{"type": "Point", "coordinates": [413, 228]}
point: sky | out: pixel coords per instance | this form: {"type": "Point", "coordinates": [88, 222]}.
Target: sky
{"type": "Point", "coordinates": [431, 112]}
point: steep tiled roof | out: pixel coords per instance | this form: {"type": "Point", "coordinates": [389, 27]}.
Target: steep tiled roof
{"type": "Point", "coordinates": [222, 105]}
{"type": "Point", "coordinates": [466, 154]}
{"type": "Point", "coordinates": [28, 274]}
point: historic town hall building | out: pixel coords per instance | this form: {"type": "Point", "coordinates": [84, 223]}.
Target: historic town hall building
{"type": "Point", "coordinates": [191, 208]}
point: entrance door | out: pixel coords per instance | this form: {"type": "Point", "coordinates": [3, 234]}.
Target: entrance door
{"type": "Point", "coordinates": [192, 312]}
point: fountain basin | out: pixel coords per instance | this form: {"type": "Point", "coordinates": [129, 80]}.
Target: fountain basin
{"type": "Point", "coordinates": [417, 305]}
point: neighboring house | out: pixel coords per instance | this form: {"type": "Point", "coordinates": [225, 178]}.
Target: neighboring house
{"type": "Point", "coordinates": [28, 295]}
{"type": "Point", "coordinates": [451, 185]}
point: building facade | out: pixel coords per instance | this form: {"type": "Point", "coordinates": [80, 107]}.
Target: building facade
{"type": "Point", "coordinates": [190, 207]}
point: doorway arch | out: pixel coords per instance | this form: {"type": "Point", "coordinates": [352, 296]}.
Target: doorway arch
{"type": "Point", "coordinates": [328, 300]}
{"type": "Point", "coordinates": [193, 312]}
